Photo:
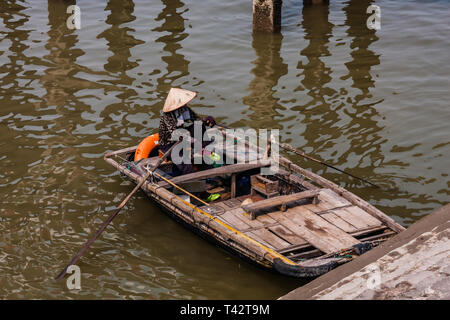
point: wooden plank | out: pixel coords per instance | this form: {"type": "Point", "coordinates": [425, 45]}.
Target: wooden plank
{"type": "Point", "coordinates": [287, 235]}
{"type": "Point", "coordinates": [364, 232]}
{"type": "Point", "coordinates": [296, 248]}
{"type": "Point", "coordinates": [222, 205]}
{"type": "Point", "coordinates": [339, 222]}
{"type": "Point", "coordinates": [259, 239]}
{"type": "Point", "coordinates": [301, 231]}
{"type": "Point", "coordinates": [255, 208]}
{"type": "Point", "coordinates": [356, 211]}
{"type": "Point", "coordinates": [265, 219]}
{"type": "Point", "coordinates": [270, 238]}
{"type": "Point", "coordinates": [355, 200]}
{"type": "Point", "coordinates": [357, 222]}
{"type": "Point", "coordinates": [326, 202]}
{"type": "Point", "coordinates": [320, 226]}
{"type": "Point", "coordinates": [239, 214]}
{"type": "Point", "coordinates": [358, 218]}
{"type": "Point", "coordinates": [296, 179]}
{"type": "Point", "coordinates": [332, 196]}
{"type": "Point", "coordinates": [232, 203]}
{"type": "Point", "coordinates": [314, 229]}
{"type": "Point", "coordinates": [229, 218]}
{"type": "Point", "coordinates": [232, 168]}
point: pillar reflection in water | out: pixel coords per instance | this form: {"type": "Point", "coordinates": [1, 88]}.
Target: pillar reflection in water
{"type": "Point", "coordinates": [268, 67]}
{"type": "Point", "coordinates": [11, 89]}
{"type": "Point", "coordinates": [317, 113]}
{"type": "Point", "coordinates": [172, 33]}
{"type": "Point", "coordinates": [356, 143]}
{"type": "Point", "coordinates": [120, 42]}
{"type": "Point", "coordinates": [363, 59]}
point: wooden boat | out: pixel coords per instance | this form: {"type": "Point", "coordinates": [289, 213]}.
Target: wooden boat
{"type": "Point", "coordinates": [296, 222]}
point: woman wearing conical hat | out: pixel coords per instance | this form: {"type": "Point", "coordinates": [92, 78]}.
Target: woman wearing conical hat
{"type": "Point", "coordinates": [176, 114]}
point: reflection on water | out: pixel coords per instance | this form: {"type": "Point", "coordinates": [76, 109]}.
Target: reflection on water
{"type": "Point", "coordinates": [363, 127]}
{"type": "Point", "coordinates": [268, 69]}
{"type": "Point", "coordinates": [315, 73]}
{"type": "Point", "coordinates": [171, 33]}
{"type": "Point", "coordinates": [362, 38]}
{"type": "Point", "coordinates": [334, 114]}
{"type": "Point", "coordinates": [318, 112]}
{"type": "Point", "coordinates": [334, 88]}
{"type": "Point", "coordinates": [119, 41]}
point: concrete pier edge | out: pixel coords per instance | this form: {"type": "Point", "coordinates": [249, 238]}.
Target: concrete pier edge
{"type": "Point", "coordinates": [438, 222]}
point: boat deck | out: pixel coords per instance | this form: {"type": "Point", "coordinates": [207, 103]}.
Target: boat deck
{"type": "Point", "coordinates": [330, 226]}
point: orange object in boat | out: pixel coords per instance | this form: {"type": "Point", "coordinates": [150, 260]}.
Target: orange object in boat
{"type": "Point", "coordinates": [146, 146]}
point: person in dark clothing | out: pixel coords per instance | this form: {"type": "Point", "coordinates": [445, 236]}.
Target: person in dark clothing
{"type": "Point", "coordinates": [176, 114]}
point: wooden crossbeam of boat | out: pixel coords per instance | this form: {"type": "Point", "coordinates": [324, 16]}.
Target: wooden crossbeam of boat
{"type": "Point", "coordinates": [281, 201]}
{"type": "Point", "coordinates": [220, 171]}
{"type": "Point", "coordinates": [125, 150]}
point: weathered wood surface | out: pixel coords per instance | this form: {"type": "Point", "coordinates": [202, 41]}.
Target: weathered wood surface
{"type": "Point", "coordinates": [265, 219]}
{"type": "Point", "coordinates": [236, 218]}
{"type": "Point", "coordinates": [357, 217]}
{"type": "Point", "coordinates": [269, 237]}
{"type": "Point", "coordinates": [234, 221]}
{"type": "Point", "coordinates": [231, 203]}
{"type": "Point", "coordinates": [268, 186]}
{"type": "Point", "coordinates": [314, 229]}
{"type": "Point", "coordinates": [287, 235]}
{"type": "Point", "coordinates": [328, 200]}
{"type": "Point", "coordinates": [339, 222]}
{"type": "Point", "coordinates": [257, 207]}
{"type": "Point", "coordinates": [126, 150]}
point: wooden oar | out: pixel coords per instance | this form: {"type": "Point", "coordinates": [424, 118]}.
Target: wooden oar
{"type": "Point", "coordinates": [111, 217]}
{"type": "Point", "coordinates": [300, 153]}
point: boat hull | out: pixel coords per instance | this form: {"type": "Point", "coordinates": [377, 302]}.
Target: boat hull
{"type": "Point", "coordinates": [247, 245]}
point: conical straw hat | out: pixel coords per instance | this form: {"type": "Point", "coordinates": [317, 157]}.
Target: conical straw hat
{"type": "Point", "coordinates": [177, 98]}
